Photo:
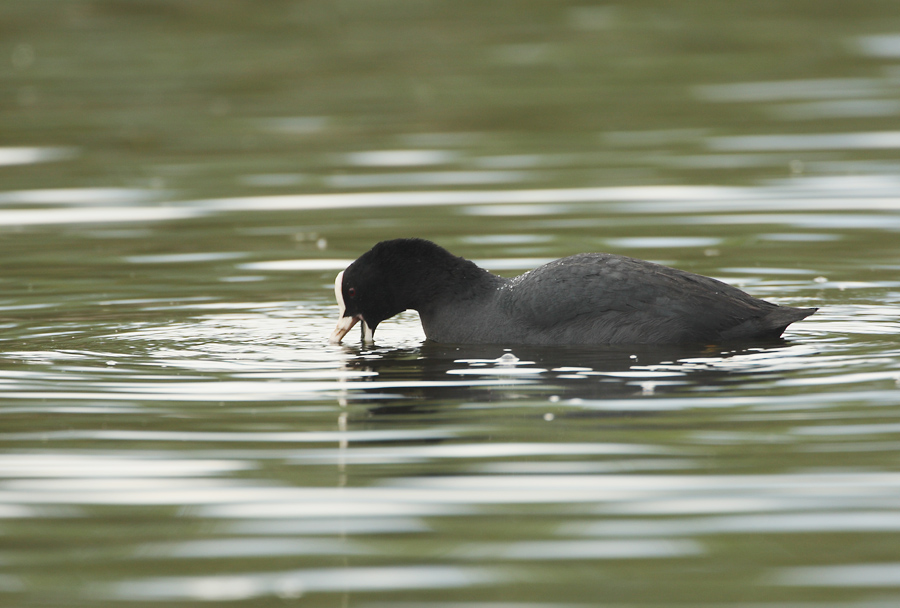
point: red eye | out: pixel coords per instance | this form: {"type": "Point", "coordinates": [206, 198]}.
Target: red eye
{"type": "Point", "coordinates": [351, 292]}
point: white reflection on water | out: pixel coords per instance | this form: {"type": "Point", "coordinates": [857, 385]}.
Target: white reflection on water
{"type": "Point", "coordinates": [219, 548]}
{"type": "Point", "coordinates": [94, 215]}
{"type": "Point", "coordinates": [849, 575]}
{"type": "Point", "coordinates": [241, 436]}
{"type": "Point", "coordinates": [103, 205]}
{"type": "Point", "coordinates": [326, 526]}
{"type": "Point", "coordinates": [185, 258]}
{"type": "Point", "coordinates": [834, 221]}
{"type": "Point", "coordinates": [579, 549]}
{"type": "Point", "coordinates": [568, 467]}
{"type": "Point", "coordinates": [837, 109]}
{"type": "Point", "coordinates": [662, 242]}
{"type": "Point", "coordinates": [458, 197]}
{"type": "Point", "coordinates": [799, 237]}
{"type": "Point", "coordinates": [114, 465]}
{"type": "Point", "coordinates": [28, 156]}
{"type": "Point", "coordinates": [806, 194]}
{"type": "Point", "coordinates": [425, 178]}
{"type": "Point", "coordinates": [724, 161]}
{"type": "Point", "coordinates": [633, 494]}
{"type": "Point", "coordinates": [815, 401]}
{"type": "Point", "coordinates": [400, 158]}
{"type": "Point", "coordinates": [781, 90]}
{"type": "Point", "coordinates": [295, 583]}
{"type": "Point", "coordinates": [882, 45]}
{"type": "Point", "coordinates": [424, 453]}
{"type": "Point", "coordinates": [844, 378]}
{"type": "Point", "coordinates": [872, 140]}
{"type": "Point", "coordinates": [295, 265]}
{"type": "Point", "coordinates": [886, 428]}
{"type": "Point", "coordinates": [670, 494]}
{"type": "Point", "coordinates": [81, 196]}
{"type": "Point", "coordinates": [767, 523]}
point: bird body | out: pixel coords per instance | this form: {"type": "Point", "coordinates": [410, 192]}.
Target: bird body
{"type": "Point", "coordinates": [589, 298]}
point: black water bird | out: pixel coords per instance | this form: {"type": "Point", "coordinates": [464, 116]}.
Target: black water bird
{"type": "Point", "coordinates": [589, 298]}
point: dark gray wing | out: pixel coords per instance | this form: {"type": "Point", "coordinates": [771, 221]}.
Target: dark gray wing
{"type": "Point", "coordinates": [603, 298]}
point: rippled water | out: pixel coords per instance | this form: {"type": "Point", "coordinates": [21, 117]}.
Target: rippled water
{"type": "Point", "coordinates": [175, 428]}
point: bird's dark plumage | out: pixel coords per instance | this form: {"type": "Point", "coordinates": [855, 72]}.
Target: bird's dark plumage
{"type": "Point", "coordinates": [589, 298]}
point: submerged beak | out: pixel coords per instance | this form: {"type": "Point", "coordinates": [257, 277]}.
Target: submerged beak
{"type": "Point", "coordinates": [345, 324]}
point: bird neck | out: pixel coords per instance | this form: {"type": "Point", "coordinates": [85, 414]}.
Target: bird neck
{"type": "Point", "coordinates": [450, 281]}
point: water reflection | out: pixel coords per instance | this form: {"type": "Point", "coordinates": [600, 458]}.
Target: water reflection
{"type": "Point", "coordinates": [92, 215]}
{"type": "Point", "coordinates": [82, 196]}
{"type": "Point", "coordinates": [77, 206]}
{"type": "Point", "coordinates": [568, 372]}
{"type": "Point", "coordinates": [176, 429]}
{"type": "Point", "coordinates": [299, 468]}
{"type": "Point", "coordinates": [401, 158]}
{"type": "Point", "coordinates": [27, 156]}
{"type": "Point", "coordinates": [849, 575]}
{"type": "Point", "coordinates": [884, 45]}
{"type": "Point", "coordinates": [290, 585]}
{"type": "Point", "coordinates": [854, 108]}
{"type": "Point", "coordinates": [418, 179]}
{"type": "Point", "coordinates": [877, 140]}
{"type": "Point", "coordinates": [784, 90]}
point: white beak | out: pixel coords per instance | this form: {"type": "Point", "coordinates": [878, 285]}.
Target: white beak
{"type": "Point", "coordinates": [345, 324]}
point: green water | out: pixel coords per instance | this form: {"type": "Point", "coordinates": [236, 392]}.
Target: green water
{"type": "Point", "coordinates": [180, 182]}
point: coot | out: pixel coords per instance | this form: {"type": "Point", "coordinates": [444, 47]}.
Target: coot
{"type": "Point", "coordinates": [589, 298]}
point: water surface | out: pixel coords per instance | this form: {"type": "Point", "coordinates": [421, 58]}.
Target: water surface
{"type": "Point", "coordinates": [180, 183]}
